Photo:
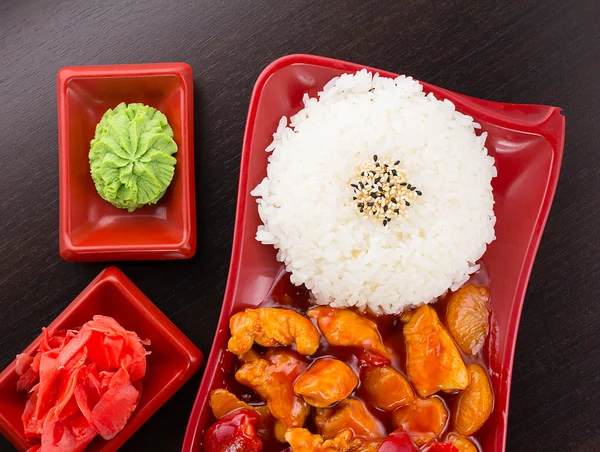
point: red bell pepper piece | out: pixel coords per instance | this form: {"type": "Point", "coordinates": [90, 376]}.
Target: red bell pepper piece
{"type": "Point", "coordinates": [235, 432]}
{"type": "Point", "coordinates": [397, 441]}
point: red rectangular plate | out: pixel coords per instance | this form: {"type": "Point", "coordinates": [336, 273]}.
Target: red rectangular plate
{"type": "Point", "coordinates": [90, 228]}
{"type": "Point", "coordinates": [527, 143]}
{"type": "Point", "coordinates": [174, 359]}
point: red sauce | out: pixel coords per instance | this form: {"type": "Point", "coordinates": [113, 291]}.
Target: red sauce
{"type": "Point", "coordinates": [285, 294]}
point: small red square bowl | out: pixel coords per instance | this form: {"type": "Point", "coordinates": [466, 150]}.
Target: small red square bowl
{"type": "Point", "coordinates": [173, 359]}
{"type": "Point", "coordinates": [527, 143]}
{"type": "Point", "coordinates": [90, 228]}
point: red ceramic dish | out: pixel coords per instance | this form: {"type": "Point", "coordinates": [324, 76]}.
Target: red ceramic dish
{"type": "Point", "coordinates": [92, 229]}
{"type": "Point", "coordinates": [174, 359]}
{"type": "Point", "coordinates": [527, 143]}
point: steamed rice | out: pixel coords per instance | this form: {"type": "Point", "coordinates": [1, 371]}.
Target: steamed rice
{"type": "Point", "coordinates": [305, 202]}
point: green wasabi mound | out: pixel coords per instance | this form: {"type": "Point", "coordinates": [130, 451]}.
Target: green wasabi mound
{"type": "Point", "coordinates": [131, 156]}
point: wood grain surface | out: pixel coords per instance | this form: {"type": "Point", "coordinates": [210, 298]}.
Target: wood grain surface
{"type": "Point", "coordinates": [522, 51]}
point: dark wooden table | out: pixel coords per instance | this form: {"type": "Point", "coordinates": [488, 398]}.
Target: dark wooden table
{"type": "Point", "coordinates": [527, 51]}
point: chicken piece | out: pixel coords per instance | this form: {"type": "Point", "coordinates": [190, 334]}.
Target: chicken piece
{"type": "Point", "coordinates": [272, 378]}
{"type": "Point", "coordinates": [271, 327]}
{"type": "Point", "coordinates": [406, 315]}
{"type": "Point", "coordinates": [433, 362]}
{"type": "Point", "coordinates": [321, 416]}
{"type": "Point", "coordinates": [350, 414]}
{"type": "Point", "coordinates": [302, 440]}
{"type": "Point", "coordinates": [461, 443]}
{"type": "Point", "coordinates": [386, 388]}
{"type": "Point", "coordinates": [223, 402]}
{"type": "Point", "coordinates": [249, 357]}
{"type": "Point", "coordinates": [467, 317]}
{"type": "Point", "coordinates": [364, 445]}
{"type": "Point", "coordinates": [344, 327]}
{"type": "Point", "coordinates": [424, 420]}
{"type": "Point", "coordinates": [327, 381]}
{"type": "Point", "coordinates": [475, 404]}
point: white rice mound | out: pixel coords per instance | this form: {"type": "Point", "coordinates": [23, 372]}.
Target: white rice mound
{"type": "Point", "coordinates": [305, 202]}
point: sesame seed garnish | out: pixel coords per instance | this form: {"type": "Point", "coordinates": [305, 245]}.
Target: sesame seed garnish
{"type": "Point", "coordinates": [382, 191]}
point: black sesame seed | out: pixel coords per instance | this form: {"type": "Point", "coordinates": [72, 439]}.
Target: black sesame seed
{"type": "Point", "coordinates": [394, 172]}
{"type": "Point", "coordinates": [373, 194]}
{"type": "Point", "coordinates": [397, 211]}
{"type": "Point", "coordinates": [381, 189]}
{"type": "Point", "coordinates": [377, 180]}
{"type": "Point", "coordinates": [385, 208]}
{"type": "Point", "coordinates": [362, 210]}
{"type": "Point", "coordinates": [385, 222]}
{"type": "Point", "coordinates": [375, 158]}
{"type": "Point", "coordinates": [403, 184]}
{"type": "Point", "coordinates": [374, 212]}
{"type": "Point", "coordinates": [377, 165]}
{"type": "Point", "coordinates": [385, 164]}
{"type": "Point", "coordinates": [361, 204]}
{"type": "Point", "coordinates": [407, 203]}
{"type": "Point", "coordinates": [394, 201]}
{"type": "Point", "coordinates": [362, 185]}
{"type": "Point", "coordinates": [354, 198]}
{"type": "Point", "coordinates": [354, 185]}
{"type": "Point", "coordinates": [408, 186]}
{"type": "Point", "coordinates": [419, 193]}
{"type": "Point", "coordinates": [397, 162]}
{"type": "Point", "coordinates": [413, 188]}
{"type": "Point", "coordinates": [370, 204]}
{"type": "Point", "coordinates": [388, 179]}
